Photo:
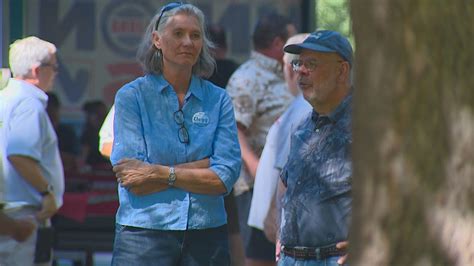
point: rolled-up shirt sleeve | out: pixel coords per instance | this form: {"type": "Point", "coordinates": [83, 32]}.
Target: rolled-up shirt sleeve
{"type": "Point", "coordinates": [226, 158]}
{"type": "Point", "coordinates": [129, 140]}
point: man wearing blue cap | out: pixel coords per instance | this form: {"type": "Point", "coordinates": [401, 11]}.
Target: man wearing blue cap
{"type": "Point", "coordinates": [316, 206]}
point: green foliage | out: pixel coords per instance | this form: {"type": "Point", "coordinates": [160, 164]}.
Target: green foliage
{"type": "Point", "coordinates": [334, 15]}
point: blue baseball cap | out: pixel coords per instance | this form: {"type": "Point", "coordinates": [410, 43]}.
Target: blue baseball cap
{"type": "Point", "coordinates": [324, 41]}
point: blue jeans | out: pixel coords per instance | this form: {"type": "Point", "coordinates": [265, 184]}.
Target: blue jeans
{"type": "Point", "coordinates": [290, 261]}
{"type": "Point", "coordinates": [139, 246]}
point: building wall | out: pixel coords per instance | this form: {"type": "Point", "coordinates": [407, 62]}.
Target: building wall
{"type": "Point", "coordinates": [97, 40]}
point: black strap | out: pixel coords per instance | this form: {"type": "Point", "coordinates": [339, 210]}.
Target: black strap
{"type": "Point", "coordinates": [312, 253]}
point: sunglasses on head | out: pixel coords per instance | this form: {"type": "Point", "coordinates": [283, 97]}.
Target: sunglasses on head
{"type": "Point", "coordinates": [166, 8]}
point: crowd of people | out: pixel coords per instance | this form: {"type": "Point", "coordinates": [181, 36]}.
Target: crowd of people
{"type": "Point", "coordinates": [216, 163]}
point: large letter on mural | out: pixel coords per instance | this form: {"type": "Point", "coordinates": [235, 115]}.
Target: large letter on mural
{"type": "Point", "coordinates": [60, 20]}
{"type": "Point", "coordinates": [78, 20]}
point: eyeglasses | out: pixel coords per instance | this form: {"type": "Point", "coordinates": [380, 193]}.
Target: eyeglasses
{"type": "Point", "coordinates": [166, 8]}
{"type": "Point", "coordinates": [55, 67]}
{"type": "Point", "coordinates": [310, 65]}
{"type": "Point", "coordinates": [182, 131]}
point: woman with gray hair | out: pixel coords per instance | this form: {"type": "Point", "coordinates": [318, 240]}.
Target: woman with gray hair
{"type": "Point", "coordinates": [175, 151]}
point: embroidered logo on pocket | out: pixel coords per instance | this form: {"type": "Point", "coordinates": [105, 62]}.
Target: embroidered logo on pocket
{"type": "Point", "coordinates": [200, 119]}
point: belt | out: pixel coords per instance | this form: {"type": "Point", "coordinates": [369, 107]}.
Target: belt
{"type": "Point", "coordinates": [320, 253]}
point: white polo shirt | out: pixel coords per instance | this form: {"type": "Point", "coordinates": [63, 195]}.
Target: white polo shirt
{"type": "Point", "coordinates": [273, 158]}
{"type": "Point", "coordinates": [25, 129]}
{"type": "Point", "coordinates": [106, 133]}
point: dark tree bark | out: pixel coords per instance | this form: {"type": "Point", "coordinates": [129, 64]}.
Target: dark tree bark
{"type": "Point", "coordinates": [413, 147]}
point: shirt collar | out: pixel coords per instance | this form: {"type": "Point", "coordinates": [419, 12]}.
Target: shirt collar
{"type": "Point", "coordinates": [31, 90]}
{"type": "Point", "coordinates": [267, 62]}
{"type": "Point", "coordinates": [194, 87]}
{"type": "Point", "coordinates": [337, 114]}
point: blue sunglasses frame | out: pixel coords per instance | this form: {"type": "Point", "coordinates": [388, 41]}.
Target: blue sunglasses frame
{"type": "Point", "coordinates": [166, 8]}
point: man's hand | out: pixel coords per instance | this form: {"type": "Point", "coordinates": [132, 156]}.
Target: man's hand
{"type": "Point", "coordinates": [23, 229]}
{"type": "Point", "coordinates": [342, 246]}
{"type": "Point", "coordinates": [30, 171]}
{"type": "Point", "coordinates": [277, 250]}
{"type": "Point", "coordinates": [48, 207]}
{"type": "Point", "coordinates": [270, 226]}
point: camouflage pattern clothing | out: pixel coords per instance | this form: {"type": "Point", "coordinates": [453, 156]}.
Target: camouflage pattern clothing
{"type": "Point", "coordinates": [259, 94]}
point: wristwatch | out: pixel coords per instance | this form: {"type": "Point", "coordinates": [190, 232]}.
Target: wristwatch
{"type": "Point", "coordinates": [49, 190]}
{"type": "Point", "coordinates": [171, 176]}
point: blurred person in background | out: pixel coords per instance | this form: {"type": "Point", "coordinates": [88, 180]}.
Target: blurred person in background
{"type": "Point", "coordinates": [95, 113]}
{"type": "Point", "coordinates": [263, 212]}
{"type": "Point", "coordinates": [67, 139]}
{"type": "Point", "coordinates": [5, 75]}
{"type": "Point", "coordinates": [260, 96]}
{"type": "Point", "coordinates": [224, 66]}
{"type": "Point", "coordinates": [224, 69]}
{"type": "Point", "coordinates": [106, 134]}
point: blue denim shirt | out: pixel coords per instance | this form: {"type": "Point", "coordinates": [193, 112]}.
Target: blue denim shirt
{"type": "Point", "coordinates": [317, 203]}
{"type": "Point", "coordinates": [145, 129]}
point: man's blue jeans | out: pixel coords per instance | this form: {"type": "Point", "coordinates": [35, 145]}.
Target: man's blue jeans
{"type": "Point", "coordinates": [138, 246]}
{"type": "Point", "coordinates": [290, 261]}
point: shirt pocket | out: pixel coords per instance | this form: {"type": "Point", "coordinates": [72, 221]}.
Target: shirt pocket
{"type": "Point", "coordinates": [202, 136]}
{"type": "Point", "coordinates": [336, 178]}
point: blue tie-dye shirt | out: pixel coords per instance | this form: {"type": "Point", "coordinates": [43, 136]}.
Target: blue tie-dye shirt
{"type": "Point", "coordinates": [317, 203]}
{"type": "Point", "coordinates": [145, 129]}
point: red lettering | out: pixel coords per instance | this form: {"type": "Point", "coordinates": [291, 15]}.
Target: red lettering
{"type": "Point", "coordinates": [136, 26]}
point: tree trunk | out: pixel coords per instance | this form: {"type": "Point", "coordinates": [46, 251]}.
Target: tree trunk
{"type": "Point", "coordinates": [413, 125]}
